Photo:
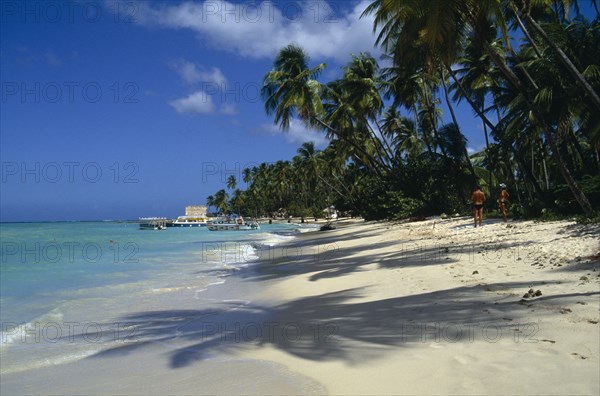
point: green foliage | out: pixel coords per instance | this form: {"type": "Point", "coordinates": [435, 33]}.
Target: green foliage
{"type": "Point", "coordinates": [390, 156]}
{"type": "Point", "coordinates": [595, 219]}
{"type": "Point", "coordinates": [379, 203]}
{"type": "Point", "coordinates": [566, 204]}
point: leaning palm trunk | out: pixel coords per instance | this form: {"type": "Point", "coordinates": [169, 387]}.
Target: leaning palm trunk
{"type": "Point", "coordinates": [379, 145]}
{"type": "Point", "coordinates": [473, 105]}
{"type": "Point", "coordinates": [386, 147]}
{"type": "Point", "coordinates": [454, 120]}
{"type": "Point", "coordinates": [487, 145]}
{"type": "Point", "coordinates": [431, 111]}
{"type": "Point", "coordinates": [418, 125]}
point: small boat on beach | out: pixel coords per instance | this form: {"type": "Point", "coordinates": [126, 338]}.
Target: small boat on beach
{"type": "Point", "coordinates": [232, 224]}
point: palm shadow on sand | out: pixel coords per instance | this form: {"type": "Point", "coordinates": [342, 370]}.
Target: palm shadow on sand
{"type": "Point", "coordinates": [332, 326]}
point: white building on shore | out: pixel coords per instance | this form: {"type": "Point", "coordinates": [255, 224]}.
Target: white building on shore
{"type": "Point", "coordinates": [196, 210]}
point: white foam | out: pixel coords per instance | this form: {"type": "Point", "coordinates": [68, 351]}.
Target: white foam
{"type": "Point", "coordinates": [308, 228]}
{"type": "Point", "coordinates": [48, 361]}
{"type": "Point", "coordinates": [251, 254]}
{"type": "Point", "coordinates": [22, 331]}
{"type": "Point", "coordinates": [275, 239]}
{"type": "Point", "coordinates": [167, 289]}
{"type": "Point", "coordinates": [197, 292]}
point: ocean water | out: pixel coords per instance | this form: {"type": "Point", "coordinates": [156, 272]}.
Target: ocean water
{"type": "Point", "coordinates": [64, 287]}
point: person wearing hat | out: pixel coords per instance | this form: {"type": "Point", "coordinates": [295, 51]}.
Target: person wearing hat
{"type": "Point", "coordinates": [502, 201]}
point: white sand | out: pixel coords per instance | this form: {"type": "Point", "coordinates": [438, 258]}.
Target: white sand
{"type": "Point", "coordinates": [379, 308]}
{"type": "Point", "coordinates": [411, 317]}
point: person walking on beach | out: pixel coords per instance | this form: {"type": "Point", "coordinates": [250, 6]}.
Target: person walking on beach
{"type": "Point", "coordinates": [477, 200]}
{"type": "Point", "coordinates": [502, 201]}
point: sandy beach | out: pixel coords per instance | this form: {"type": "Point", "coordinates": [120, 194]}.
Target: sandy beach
{"type": "Point", "coordinates": [429, 307]}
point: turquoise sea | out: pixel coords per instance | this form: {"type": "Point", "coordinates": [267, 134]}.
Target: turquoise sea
{"type": "Point", "coordinates": [64, 285]}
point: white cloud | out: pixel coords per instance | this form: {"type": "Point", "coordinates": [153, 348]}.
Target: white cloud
{"type": "Point", "coordinates": [191, 74]}
{"type": "Point", "coordinates": [228, 109]}
{"type": "Point", "coordinates": [211, 82]}
{"type": "Point", "coordinates": [197, 103]}
{"type": "Point", "coordinates": [298, 134]}
{"type": "Point", "coordinates": [259, 30]}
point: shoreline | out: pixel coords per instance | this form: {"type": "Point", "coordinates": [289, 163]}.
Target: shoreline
{"type": "Point", "coordinates": [376, 308]}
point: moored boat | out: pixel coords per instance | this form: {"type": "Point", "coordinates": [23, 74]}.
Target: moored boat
{"type": "Point", "coordinates": [188, 221]}
{"type": "Point", "coordinates": [232, 224]}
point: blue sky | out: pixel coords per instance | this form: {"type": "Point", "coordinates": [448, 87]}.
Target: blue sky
{"type": "Point", "coordinates": [116, 110]}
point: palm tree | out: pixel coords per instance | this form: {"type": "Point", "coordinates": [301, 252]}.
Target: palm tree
{"type": "Point", "coordinates": [231, 182]}
{"type": "Point", "coordinates": [238, 200]}
{"type": "Point", "coordinates": [221, 201]}
{"type": "Point", "coordinates": [441, 26]}
{"type": "Point", "coordinates": [210, 201]}
{"type": "Point", "coordinates": [291, 90]}
{"type": "Point", "coordinates": [526, 10]}
{"type": "Point", "coordinates": [360, 88]}
{"type": "Point", "coordinates": [403, 134]}
{"type": "Point", "coordinates": [308, 168]}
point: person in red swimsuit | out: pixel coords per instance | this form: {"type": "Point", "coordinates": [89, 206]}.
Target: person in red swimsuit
{"type": "Point", "coordinates": [477, 201]}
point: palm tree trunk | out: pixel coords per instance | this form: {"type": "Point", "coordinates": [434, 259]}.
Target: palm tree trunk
{"type": "Point", "coordinates": [466, 95]}
{"type": "Point", "coordinates": [417, 125]}
{"type": "Point", "coordinates": [544, 168]}
{"type": "Point", "coordinates": [431, 106]}
{"type": "Point", "coordinates": [526, 32]}
{"type": "Point", "coordinates": [564, 59]}
{"type": "Point", "coordinates": [379, 146]}
{"type": "Point", "coordinates": [487, 143]}
{"type": "Point", "coordinates": [525, 184]}
{"type": "Point", "coordinates": [332, 187]}
{"type": "Point", "coordinates": [529, 178]}
{"type": "Point", "coordinates": [387, 148]}
{"type": "Point", "coordinates": [532, 161]}
{"type": "Point", "coordinates": [480, 113]}
{"type": "Point", "coordinates": [453, 115]}
{"type": "Point", "coordinates": [533, 45]}
{"type": "Point", "coordinates": [428, 143]}
{"type": "Point", "coordinates": [509, 167]}
{"type": "Point", "coordinates": [579, 195]}
{"type": "Point", "coordinates": [585, 162]}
